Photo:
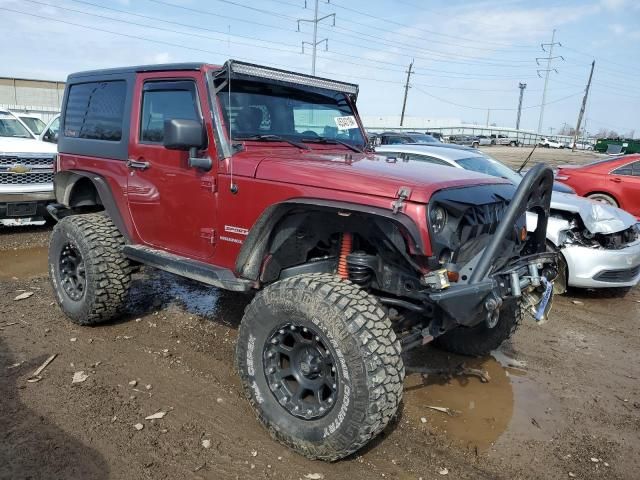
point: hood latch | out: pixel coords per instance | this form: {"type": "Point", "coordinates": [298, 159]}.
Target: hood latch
{"type": "Point", "coordinates": [403, 194]}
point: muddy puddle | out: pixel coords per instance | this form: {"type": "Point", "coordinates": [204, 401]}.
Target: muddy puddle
{"type": "Point", "coordinates": [479, 413]}
{"type": "Point", "coordinates": [23, 263]}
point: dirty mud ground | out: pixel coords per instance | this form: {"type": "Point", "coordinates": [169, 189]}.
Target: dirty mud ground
{"type": "Point", "coordinates": [564, 397]}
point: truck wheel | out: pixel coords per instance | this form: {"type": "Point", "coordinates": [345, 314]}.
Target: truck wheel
{"type": "Point", "coordinates": [320, 365]}
{"type": "Point", "coordinates": [513, 144]}
{"type": "Point", "coordinates": [480, 340]}
{"type": "Point", "coordinates": [88, 272]}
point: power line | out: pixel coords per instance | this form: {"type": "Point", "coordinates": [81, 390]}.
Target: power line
{"type": "Point", "coordinates": [492, 108]}
{"type": "Point", "coordinates": [155, 27]}
{"type": "Point", "coordinates": [136, 37]}
{"type": "Point", "coordinates": [474, 41]}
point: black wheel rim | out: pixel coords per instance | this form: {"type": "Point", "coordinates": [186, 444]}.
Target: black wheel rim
{"type": "Point", "coordinates": [300, 367]}
{"type": "Point", "coordinates": [73, 276]}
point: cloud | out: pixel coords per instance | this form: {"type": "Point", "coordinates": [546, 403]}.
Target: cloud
{"type": "Point", "coordinates": [617, 28]}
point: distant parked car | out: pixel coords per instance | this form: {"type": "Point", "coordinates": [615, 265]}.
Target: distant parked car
{"type": "Point", "coordinates": [599, 245]}
{"type": "Point", "coordinates": [466, 140]}
{"type": "Point", "coordinates": [484, 140]}
{"type": "Point", "coordinates": [581, 145]}
{"type": "Point", "coordinates": [500, 139]}
{"type": "Point", "coordinates": [437, 135]}
{"type": "Point", "coordinates": [550, 143]}
{"type": "Point", "coordinates": [33, 123]}
{"type": "Point", "coordinates": [615, 181]}
{"type": "Point", "coordinates": [399, 138]}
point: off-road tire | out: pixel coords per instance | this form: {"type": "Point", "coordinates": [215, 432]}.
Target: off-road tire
{"type": "Point", "coordinates": [480, 340]}
{"type": "Point", "coordinates": [370, 371]}
{"type": "Point", "coordinates": [108, 271]}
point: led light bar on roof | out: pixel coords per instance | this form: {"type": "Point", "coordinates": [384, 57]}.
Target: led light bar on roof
{"type": "Point", "coordinates": [252, 70]}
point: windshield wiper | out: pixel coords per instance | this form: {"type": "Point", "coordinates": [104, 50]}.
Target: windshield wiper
{"type": "Point", "coordinates": [333, 141]}
{"type": "Point", "coordinates": [273, 138]}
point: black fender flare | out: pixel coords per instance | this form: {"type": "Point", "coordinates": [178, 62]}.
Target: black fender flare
{"type": "Point", "coordinates": [249, 260]}
{"type": "Point", "coordinates": [65, 181]}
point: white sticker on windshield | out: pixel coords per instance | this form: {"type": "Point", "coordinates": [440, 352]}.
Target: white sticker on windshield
{"type": "Point", "coordinates": [346, 123]}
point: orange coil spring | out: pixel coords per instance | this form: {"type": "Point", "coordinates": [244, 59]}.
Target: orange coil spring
{"type": "Point", "coordinates": [345, 249]}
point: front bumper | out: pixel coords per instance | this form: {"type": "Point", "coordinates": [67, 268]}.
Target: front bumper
{"type": "Point", "coordinates": [601, 268]}
{"type": "Point", "coordinates": [524, 278]}
{"type": "Point", "coordinates": [17, 201]}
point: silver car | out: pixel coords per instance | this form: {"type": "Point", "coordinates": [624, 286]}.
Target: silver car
{"type": "Point", "coordinates": [599, 244]}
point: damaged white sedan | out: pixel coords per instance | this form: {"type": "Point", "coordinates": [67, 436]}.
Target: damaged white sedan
{"type": "Point", "coordinates": [599, 244]}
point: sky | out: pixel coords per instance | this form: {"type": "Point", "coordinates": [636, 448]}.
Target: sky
{"type": "Point", "coordinates": [469, 56]}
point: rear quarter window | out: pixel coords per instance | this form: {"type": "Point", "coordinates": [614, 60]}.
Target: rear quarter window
{"type": "Point", "coordinates": [95, 110]}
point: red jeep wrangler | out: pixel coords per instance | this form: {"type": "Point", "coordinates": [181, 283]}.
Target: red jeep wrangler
{"type": "Point", "coordinates": [246, 178]}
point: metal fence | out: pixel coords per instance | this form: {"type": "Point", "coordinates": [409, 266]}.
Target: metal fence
{"type": "Point", "coordinates": [524, 137]}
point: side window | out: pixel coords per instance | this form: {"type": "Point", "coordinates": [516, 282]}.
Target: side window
{"type": "Point", "coordinates": [628, 169]}
{"type": "Point", "coordinates": [166, 101]}
{"type": "Point", "coordinates": [636, 169]}
{"type": "Point", "coordinates": [51, 135]}
{"type": "Point", "coordinates": [95, 110]}
{"type": "Point", "coordinates": [426, 158]}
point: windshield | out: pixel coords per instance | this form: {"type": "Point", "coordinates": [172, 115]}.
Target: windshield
{"type": "Point", "coordinates": [298, 114]}
{"type": "Point", "coordinates": [35, 124]}
{"type": "Point", "coordinates": [11, 127]}
{"type": "Point", "coordinates": [489, 166]}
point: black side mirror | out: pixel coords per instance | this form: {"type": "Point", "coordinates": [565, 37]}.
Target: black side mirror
{"type": "Point", "coordinates": [188, 135]}
{"type": "Point", "coordinates": [180, 134]}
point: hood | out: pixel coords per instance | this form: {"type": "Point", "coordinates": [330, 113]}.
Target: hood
{"type": "Point", "coordinates": [25, 145]}
{"type": "Point", "coordinates": [598, 217]}
{"type": "Point", "coordinates": [368, 174]}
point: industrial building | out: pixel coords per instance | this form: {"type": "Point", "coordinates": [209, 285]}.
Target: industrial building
{"type": "Point", "coordinates": [37, 97]}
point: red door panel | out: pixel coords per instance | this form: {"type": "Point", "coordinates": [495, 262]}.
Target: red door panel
{"type": "Point", "coordinates": [172, 205]}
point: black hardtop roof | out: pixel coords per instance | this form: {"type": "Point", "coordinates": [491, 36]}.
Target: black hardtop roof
{"type": "Point", "coordinates": [163, 67]}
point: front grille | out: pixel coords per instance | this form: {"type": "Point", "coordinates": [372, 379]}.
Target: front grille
{"type": "Point", "coordinates": [26, 168]}
{"type": "Point", "coordinates": [25, 178]}
{"type": "Point", "coordinates": [31, 161]}
{"type": "Point", "coordinates": [618, 276]}
{"type": "Point", "coordinates": [481, 219]}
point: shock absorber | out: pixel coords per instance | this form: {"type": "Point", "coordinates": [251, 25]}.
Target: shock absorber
{"type": "Point", "coordinates": [346, 244]}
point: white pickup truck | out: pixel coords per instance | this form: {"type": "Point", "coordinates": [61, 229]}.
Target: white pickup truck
{"type": "Point", "coordinates": [26, 171]}
{"type": "Point", "coordinates": [499, 139]}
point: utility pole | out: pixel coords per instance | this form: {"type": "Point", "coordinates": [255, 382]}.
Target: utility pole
{"type": "Point", "coordinates": [488, 115]}
{"type": "Point", "coordinates": [406, 91]}
{"type": "Point", "coordinates": [547, 70]}
{"type": "Point", "coordinates": [583, 107]}
{"type": "Point", "coordinates": [314, 44]}
{"type": "Point", "coordinates": [521, 86]}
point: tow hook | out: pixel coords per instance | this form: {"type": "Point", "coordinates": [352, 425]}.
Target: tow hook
{"type": "Point", "coordinates": [492, 304]}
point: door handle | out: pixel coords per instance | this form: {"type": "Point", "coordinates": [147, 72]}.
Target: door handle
{"type": "Point", "coordinates": [140, 165]}
{"type": "Point", "coordinates": [615, 180]}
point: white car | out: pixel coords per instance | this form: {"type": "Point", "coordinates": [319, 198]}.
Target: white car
{"type": "Point", "coordinates": [26, 171]}
{"type": "Point", "coordinates": [33, 123]}
{"type": "Point", "coordinates": [549, 143]}
{"type": "Point", "coordinates": [50, 131]}
{"type": "Point", "coordinates": [594, 240]}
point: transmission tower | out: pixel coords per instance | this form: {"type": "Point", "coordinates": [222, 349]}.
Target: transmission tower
{"type": "Point", "coordinates": [314, 44]}
{"type": "Point", "coordinates": [549, 58]}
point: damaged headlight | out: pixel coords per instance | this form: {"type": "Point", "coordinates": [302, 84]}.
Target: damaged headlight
{"type": "Point", "coordinates": [438, 217]}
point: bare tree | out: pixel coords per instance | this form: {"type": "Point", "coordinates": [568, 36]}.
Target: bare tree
{"type": "Point", "coordinates": [602, 133]}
